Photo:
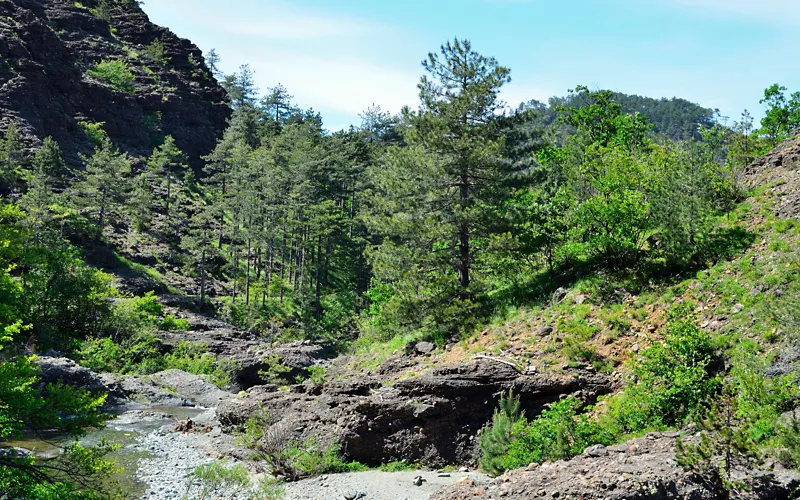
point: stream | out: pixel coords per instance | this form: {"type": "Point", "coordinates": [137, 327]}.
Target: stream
{"type": "Point", "coordinates": [140, 438]}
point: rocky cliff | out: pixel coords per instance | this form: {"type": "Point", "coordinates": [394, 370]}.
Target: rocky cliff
{"type": "Point", "coordinates": [51, 84]}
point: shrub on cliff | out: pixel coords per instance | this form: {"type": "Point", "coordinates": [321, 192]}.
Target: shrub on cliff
{"type": "Point", "coordinates": [116, 73]}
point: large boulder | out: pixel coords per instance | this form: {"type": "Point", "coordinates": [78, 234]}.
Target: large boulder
{"type": "Point", "coordinates": [66, 371]}
{"type": "Point", "coordinates": [253, 359]}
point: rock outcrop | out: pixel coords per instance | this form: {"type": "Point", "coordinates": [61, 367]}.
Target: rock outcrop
{"type": "Point", "coordinates": [48, 48]}
{"type": "Point", "coordinates": [55, 370]}
{"type": "Point", "coordinates": [779, 171]}
{"type": "Point", "coordinates": [433, 418]}
{"type": "Point", "coordinates": [641, 469]}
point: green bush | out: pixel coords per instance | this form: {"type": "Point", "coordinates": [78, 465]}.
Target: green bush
{"type": "Point", "coordinates": [559, 433]}
{"type": "Point", "coordinates": [171, 323]}
{"type": "Point", "coordinates": [116, 73]}
{"type": "Point", "coordinates": [672, 380]}
{"type": "Point", "coordinates": [94, 132]}
{"type": "Point", "coordinates": [277, 372]}
{"type": "Point", "coordinates": [157, 52]}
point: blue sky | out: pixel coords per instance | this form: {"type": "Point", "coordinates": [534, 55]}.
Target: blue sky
{"type": "Point", "coordinates": [339, 57]}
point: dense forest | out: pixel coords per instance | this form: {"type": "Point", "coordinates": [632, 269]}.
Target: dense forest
{"type": "Point", "coordinates": [425, 225]}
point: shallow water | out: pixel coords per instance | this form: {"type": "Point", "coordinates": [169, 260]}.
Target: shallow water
{"type": "Point", "coordinates": [124, 431]}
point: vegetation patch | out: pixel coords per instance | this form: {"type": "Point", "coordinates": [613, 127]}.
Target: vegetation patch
{"type": "Point", "coordinates": [116, 73]}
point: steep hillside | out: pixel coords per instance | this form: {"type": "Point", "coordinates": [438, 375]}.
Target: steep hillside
{"type": "Point", "coordinates": [50, 81]}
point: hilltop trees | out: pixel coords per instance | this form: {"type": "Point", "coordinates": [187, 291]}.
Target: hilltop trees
{"type": "Point", "coordinates": [782, 114]}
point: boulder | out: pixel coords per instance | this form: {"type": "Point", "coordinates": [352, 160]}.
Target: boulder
{"type": "Point", "coordinates": [68, 372]}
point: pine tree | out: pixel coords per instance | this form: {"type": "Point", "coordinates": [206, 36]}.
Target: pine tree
{"type": "Point", "coordinates": [48, 167]}
{"type": "Point", "coordinates": [198, 246]}
{"type": "Point", "coordinates": [12, 154]}
{"type": "Point", "coordinates": [498, 437]}
{"type": "Point", "coordinates": [141, 201]}
{"type": "Point", "coordinates": [103, 187]}
{"type": "Point", "coordinates": [167, 164]}
{"type": "Point", "coordinates": [726, 444]}
{"type": "Point", "coordinates": [431, 198]}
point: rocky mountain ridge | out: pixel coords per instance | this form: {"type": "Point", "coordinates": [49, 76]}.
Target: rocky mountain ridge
{"type": "Point", "coordinates": [49, 49]}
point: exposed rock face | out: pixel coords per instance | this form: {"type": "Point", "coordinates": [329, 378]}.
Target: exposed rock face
{"type": "Point", "coordinates": [66, 371]}
{"type": "Point", "coordinates": [434, 418]}
{"type": "Point", "coordinates": [781, 169]}
{"type": "Point", "coordinates": [47, 46]}
{"type": "Point", "coordinates": [642, 469]}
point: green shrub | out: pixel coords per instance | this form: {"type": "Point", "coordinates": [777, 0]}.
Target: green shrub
{"type": "Point", "coordinates": [94, 132]}
{"type": "Point", "coordinates": [316, 374]}
{"type": "Point", "coordinates": [217, 480]}
{"type": "Point", "coordinates": [149, 304]}
{"type": "Point", "coordinates": [671, 381]}
{"type": "Point", "coordinates": [116, 73]}
{"type": "Point", "coordinates": [171, 323]}
{"type": "Point", "coordinates": [157, 52]}
{"type": "Point", "coordinates": [277, 372]}
{"type": "Point", "coordinates": [559, 433]}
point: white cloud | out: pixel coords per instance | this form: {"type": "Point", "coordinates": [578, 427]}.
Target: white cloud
{"type": "Point", "coordinates": [344, 85]}
{"type": "Point", "coordinates": [779, 12]}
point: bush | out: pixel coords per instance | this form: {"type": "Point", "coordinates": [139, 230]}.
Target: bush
{"type": "Point", "coordinates": [116, 73]}
{"type": "Point", "coordinates": [559, 433]}
{"type": "Point", "coordinates": [157, 52]}
{"type": "Point", "coordinates": [94, 132]}
{"type": "Point", "coordinates": [288, 458]}
{"type": "Point", "coordinates": [671, 381]}
{"type": "Point", "coordinates": [277, 372]}
{"type": "Point", "coordinates": [171, 323]}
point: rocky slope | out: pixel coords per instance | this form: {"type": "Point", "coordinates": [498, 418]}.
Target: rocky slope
{"type": "Point", "coordinates": [48, 48]}
{"type": "Point", "coordinates": [643, 468]}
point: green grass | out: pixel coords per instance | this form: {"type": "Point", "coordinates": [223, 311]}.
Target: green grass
{"type": "Point", "coordinates": [150, 272]}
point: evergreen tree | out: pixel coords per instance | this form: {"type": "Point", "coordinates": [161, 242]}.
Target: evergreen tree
{"type": "Point", "coordinates": [103, 187]}
{"type": "Point", "coordinates": [38, 201]}
{"type": "Point", "coordinates": [433, 195]}
{"type": "Point", "coordinates": [167, 164]}
{"type": "Point", "coordinates": [12, 154]}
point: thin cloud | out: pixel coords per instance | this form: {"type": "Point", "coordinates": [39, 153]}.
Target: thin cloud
{"type": "Point", "coordinates": [275, 20]}
{"type": "Point", "coordinates": [778, 12]}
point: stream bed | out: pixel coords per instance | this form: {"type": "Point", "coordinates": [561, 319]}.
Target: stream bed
{"type": "Point", "coordinates": [141, 458]}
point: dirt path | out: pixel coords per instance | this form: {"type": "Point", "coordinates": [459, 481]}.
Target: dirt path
{"type": "Point", "coordinates": [375, 484]}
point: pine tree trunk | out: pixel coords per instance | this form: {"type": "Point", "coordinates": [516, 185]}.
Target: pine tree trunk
{"type": "Point", "coordinates": [247, 276]}
{"type": "Point", "coordinates": [463, 234]}
{"type": "Point", "coordinates": [318, 285]}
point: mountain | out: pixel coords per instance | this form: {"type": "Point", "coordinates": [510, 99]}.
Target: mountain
{"type": "Point", "coordinates": [68, 64]}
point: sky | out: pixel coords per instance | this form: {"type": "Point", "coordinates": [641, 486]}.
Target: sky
{"type": "Point", "coordinates": [340, 57]}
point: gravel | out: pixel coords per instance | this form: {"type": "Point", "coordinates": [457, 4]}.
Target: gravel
{"type": "Point", "coordinates": [169, 473]}
{"type": "Point", "coordinates": [377, 485]}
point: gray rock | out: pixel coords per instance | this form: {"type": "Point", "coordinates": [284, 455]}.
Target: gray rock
{"type": "Point", "coordinates": [425, 347]}
{"type": "Point", "coordinates": [559, 295]}
{"type": "Point", "coordinates": [597, 450]}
